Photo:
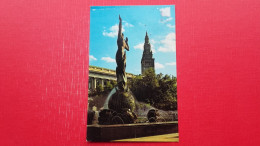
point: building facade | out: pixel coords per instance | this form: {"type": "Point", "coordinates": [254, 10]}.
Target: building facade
{"type": "Point", "coordinates": [100, 76]}
{"type": "Point", "coordinates": [147, 58]}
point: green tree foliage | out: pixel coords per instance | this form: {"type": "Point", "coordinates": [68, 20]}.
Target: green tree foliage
{"type": "Point", "coordinates": [158, 90]}
{"type": "Point", "coordinates": [99, 88]}
{"type": "Point", "coordinates": [109, 86]}
{"type": "Point", "coordinates": [113, 83]}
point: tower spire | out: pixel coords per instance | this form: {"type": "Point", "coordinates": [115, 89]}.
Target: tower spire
{"type": "Point", "coordinates": [146, 38]}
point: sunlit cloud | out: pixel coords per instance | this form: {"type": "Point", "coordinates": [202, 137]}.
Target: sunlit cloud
{"type": "Point", "coordinates": [165, 12]}
{"type": "Point", "coordinates": [170, 26]}
{"type": "Point", "coordinates": [171, 64]}
{"type": "Point", "coordinates": [108, 59]}
{"type": "Point", "coordinates": [168, 44]}
{"type": "Point", "coordinates": [113, 31]}
{"type": "Point", "coordinates": [92, 58]}
{"type": "Point", "coordinates": [158, 65]}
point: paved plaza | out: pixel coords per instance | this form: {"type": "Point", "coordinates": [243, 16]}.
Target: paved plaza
{"type": "Point", "coordinates": [174, 137]}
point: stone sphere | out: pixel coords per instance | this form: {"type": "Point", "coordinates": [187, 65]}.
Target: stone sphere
{"type": "Point", "coordinates": [122, 101]}
{"type": "Point", "coordinates": [152, 115]}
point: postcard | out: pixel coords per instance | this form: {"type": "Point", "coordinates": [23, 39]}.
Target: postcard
{"type": "Point", "coordinates": [132, 90]}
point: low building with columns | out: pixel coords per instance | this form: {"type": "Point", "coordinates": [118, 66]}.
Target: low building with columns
{"type": "Point", "coordinates": [99, 75]}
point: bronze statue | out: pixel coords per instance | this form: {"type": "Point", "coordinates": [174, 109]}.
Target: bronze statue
{"type": "Point", "coordinates": [121, 101]}
{"type": "Point", "coordinates": [121, 58]}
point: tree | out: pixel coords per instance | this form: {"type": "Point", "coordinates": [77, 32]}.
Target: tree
{"type": "Point", "coordinates": [113, 83]}
{"type": "Point", "coordinates": [109, 86]}
{"type": "Point", "coordinates": [158, 90]}
{"type": "Point", "coordinates": [100, 88]}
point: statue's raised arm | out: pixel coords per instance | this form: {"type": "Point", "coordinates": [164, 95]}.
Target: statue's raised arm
{"type": "Point", "coordinates": [120, 27]}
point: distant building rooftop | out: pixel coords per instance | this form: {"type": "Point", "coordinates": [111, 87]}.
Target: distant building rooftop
{"type": "Point", "coordinates": [106, 71]}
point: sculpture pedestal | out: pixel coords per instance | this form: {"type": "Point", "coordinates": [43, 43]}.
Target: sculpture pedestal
{"type": "Point", "coordinates": [124, 131]}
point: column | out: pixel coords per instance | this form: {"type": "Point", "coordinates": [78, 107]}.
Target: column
{"type": "Point", "coordinates": [94, 81]}
{"type": "Point", "coordinates": [90, 83]}
{"type": "Point", "coordinates": [102, 83]}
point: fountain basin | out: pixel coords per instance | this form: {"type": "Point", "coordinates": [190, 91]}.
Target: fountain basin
{"type": "Point", "coordinates": [124, 131]}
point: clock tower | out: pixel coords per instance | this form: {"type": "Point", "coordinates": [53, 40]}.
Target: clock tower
{"type": "Point", "coordinates": [147, 59]}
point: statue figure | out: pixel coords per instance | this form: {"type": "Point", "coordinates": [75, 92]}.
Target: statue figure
{"type": "Point", "coordinates": [121, 101]}
{"type": "Point", "coordinates": [121, 58]}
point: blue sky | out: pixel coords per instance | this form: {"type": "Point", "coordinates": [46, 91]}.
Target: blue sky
{"type": "Point", "coordinates": [157, 20]}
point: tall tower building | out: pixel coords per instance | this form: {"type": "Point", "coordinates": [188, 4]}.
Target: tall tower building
{"type": "Point", "coordinates": [147, 59]}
